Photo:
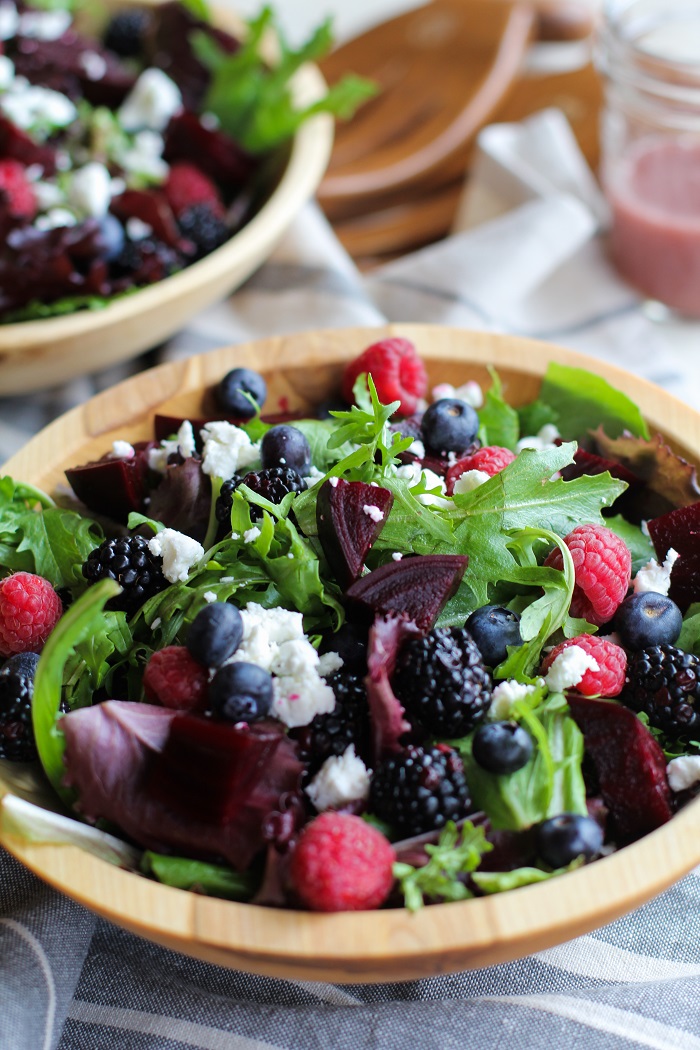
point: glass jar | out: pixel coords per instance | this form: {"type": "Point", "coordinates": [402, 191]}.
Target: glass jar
{"type": "Point", "coordinates": [649, 55]}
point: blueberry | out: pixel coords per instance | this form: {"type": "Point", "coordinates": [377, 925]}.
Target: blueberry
{"type": "Point", "coordinates": [111, 236]}
{"type": "Point", "coordinates": [332, 404]}
{"type": "Point", "coordinates": [501, 747]}
{"type": "Point", "coordinates": [215, 634]}
{"type": "Point", "coordinates": [561, 839]}
{"type": "Point", "coordinates": [493, 628]}
{"type": "Point", "coordinates": [231, 393]}
{"type": "Point", "coordinates": [285, 446]}
{"type": "Point", "coordinates": [648, 619]}
{"type": "Point", "coordinates": [449, 425]}
{"type": "Point", "coordinates": [241, 692]}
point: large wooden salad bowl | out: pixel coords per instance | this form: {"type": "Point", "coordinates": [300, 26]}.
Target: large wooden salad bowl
{"type": "Point", "coordinates": [370, 946]}
{"type": "Point", "coordinates": [39, 354]}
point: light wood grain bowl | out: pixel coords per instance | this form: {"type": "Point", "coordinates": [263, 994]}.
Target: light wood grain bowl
{"type": "Point", "coordinates": [352, 947]}
{"type": "Point", "coordinates": [39, 354]}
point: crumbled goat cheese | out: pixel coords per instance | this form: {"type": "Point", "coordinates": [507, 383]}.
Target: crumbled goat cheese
{"type": "Point", "coordinates": [342, 779]}
{"type": "Point", "coordinates": [227, 449]}
{"type": "Point", "coordinates": [179, 553]}
{"type": "Point", "coordinates": [313, 476]}
{"type": "Point", "coordinates": [504, 695]}
{"type": "Point", "coordinates": [183, 443]}
{"type": "Point", "coordinates": [7, 72]}
{"type": "Point", "coordinates": [655, 577]}
{"type": "Point", "coordinates": [44, 25]}
{"type": "Point", "coordinates": [209, 596]}
{"type": "Point", "coordinates": [334, 482]}
{"type": "Point", "coordinates": [397, 556]}
{"type": "Point", "coordinates": [48, 195]}
{"type": "Point", "coordinates": [470, 480]}
{"type": "Point", "coordinates": [275, 640]}
{"type": "Point", "coordinates": [329, 663]}
{"type": "Point", "coordinates": [137, 229]}
{"type": "Point", "coordinates": [156, 623]}
{"type": "Point", "coordinates": [9, 21]}
{"type": "Point", "coordinates": [545, 438]}
{"type": "Point", "coordinates": [569, 668]}
{"type": "Point", "coordinates": [470, 392]}
{"type": "Point", "coordinates": [145, 157]}
{"type": "Point", "coordinates": [90, 190]}
{"type": "Point", "coordinates": [373, 512]}
{"type": "Point", "coordinates": [122, 450]}
{"type": "Point", "coordinates": [54, 218]}
{"type": "Point", "coordinates": [29, 106]}
{"type": "Point", "coordinates": [683, 772]}
{"type": "Point", "coordinates": [413, 472]}
{"type": "Point", "coordinates": [251, 535]}
{"type": "Point", "coordinates": [417, 448]}
{"type": "Point", "coordinates": [645, 529]}
{"type": "Point", "coordinates": [151, 103]}
{"type": "Point", "coordinates": [94, 65]}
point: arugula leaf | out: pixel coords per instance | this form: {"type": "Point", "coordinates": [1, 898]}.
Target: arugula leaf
{"type": "Point", "coordinates": [536, 415]}
{"type": "Point", "coordinates": [212, 879]}
{"type": "Point", "coordinates": [584, 401]}
{"type": "Point", "coordinates": [95, 659]}
{"type": "Point", "coordinates": [549, 784]}
{"type": "Point", "coordinates": [689, 638]}
{"type": "Point", "coordinates": [49, 541]}
{"type": "Point", "coordinates": [84, 617]}
{"type": "Point", "coordinates": [500, 881]}
{"type": "Point", "coordinates": [499, 423]}
{"type": "Point", "coordinates": [457, 852]}
{"type": "Point", "coordinates": [253, 102]}
{"type": "Point", "coordinates": [640, 546]}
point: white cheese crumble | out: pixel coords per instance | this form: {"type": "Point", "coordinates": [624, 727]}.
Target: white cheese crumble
{"type": "Point", "coordinates": [151, 103]}
{"type": "Point", "coordinates": [178, 551]}
{"type": "Point", "coordinates": [29, 106]}
{"type": "Point", "coordinates": [313, 476]}
{"type": "Point", "coordinates": [470, 392]}
{"type": "Point", "coordinates": [470, 480]}
{"type": "Point", "coordinates": [227, 449]}
{"type": "Point", "coordinates": [334, 482]}
{"type": "Point", "coordinates": [655, 577]}
{"type": "Point", "coordinates": [44, 25]}
{"type": "Point", "coordinates": [251, 535]}
{"type": "Point", "coordinates": [145, 157]}
{"type": "Point", "coordinates": [568, 669]}
{"type": "Point", "coordinates": [417, 448]}
{"type": "Point", "coordinates": [329, 663]}
{"type": "Point", "coordinates": [122, 450]}
{"type": "Point", "coordinates": [413, 472]}
{"type": "Point", "coordinates": [209, 596]}
{"type": "Point", "coordinates": [504, 695]}
{"type": "Point", "coordinates": [683, 772]}
{"type": "Point", "coordinates": [183, 443]}
{"type": "Point", "coordinates": [7, 71]}
{"type": "Point", "coordinates": [342, 779]}
{"type": "Point", "coordinates": [137, 229]}
{"type": "Point", "coordinates": [48, 195]}
{"type": "Point", "coordinates": [94, 65]}
{"type": "Point", "coordinates": [545, 438]}
{"type": "Point", "coordinates": [90, 190]}
{"type": "Point", "coordinates": [274, 639]}
{"type": "Point", "coordinates": [156, 623]}
{"type": "Point", "coordinates": [54, 218]}
{"type": "Point", "coordinates": [9, 21]}
{"type": "Point", "coordinates": [373, 512]}
{"type": "Point", "coordinates": [397, 556]}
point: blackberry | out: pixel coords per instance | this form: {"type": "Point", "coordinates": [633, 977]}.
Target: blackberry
{"type": "Point", "coordinates": [420, 790]}
{"type": "Point", "coordinates": [128, 561]}
{"type": "Point", "coordinates": [206, 230]}
{"type": "Point", "coordinates": [125, 33]}
{"type": "Point", "coordinates": [273, 484]}
{"type": "Point", "coordinates": [331, 734]}
{"type": "Point", "coordinates": [16, 691]}
{"type": "Point", "coordinates": [664, 683]}
{"type": "Point", "coordinates": [442, 681]}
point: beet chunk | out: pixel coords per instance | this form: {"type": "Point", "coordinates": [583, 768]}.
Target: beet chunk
{"type": "Point", "coordinates": [346, 530]}
{"type": "Point", "coordinates": [416, 588]}
{"type": "Point", "coordinates": [680, 530]}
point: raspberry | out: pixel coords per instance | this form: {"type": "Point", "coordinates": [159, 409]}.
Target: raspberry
{"type": "Point", "coordinates": [186, 186]}
{"type": "Point", "coordinates": [16, 190]}
{"type": "Point", "coordinates": [174, 679]}
{"type": "Point", "coordinates": [341, 864]}
{"type": "Point", "coordinates": [420, 790]}
{"type": "Point", "coordinates": [602, 566]}
{"type": "Point", "coordinates": [29, 611]}
{"type": "Point", "coordinates": [397, 371]}
{"type": "Point", "coordinates": [491, 460]}
{"type": "Point", "coordinates": [609, 680]}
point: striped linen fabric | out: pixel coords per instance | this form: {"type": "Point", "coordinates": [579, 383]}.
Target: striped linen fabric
{"type": "Point", "coordinates": [73, 982]}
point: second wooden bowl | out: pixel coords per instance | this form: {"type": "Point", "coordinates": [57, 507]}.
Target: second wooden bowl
{"type": "Point", "coordinates": [352, 947]}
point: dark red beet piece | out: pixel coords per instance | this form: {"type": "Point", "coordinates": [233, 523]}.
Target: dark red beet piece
{"type": "Point", "coordinates": [589, 463]}
{"type": "Point", "coordinates": [219, 157]}
{"type": "Point", "coordinates": [152, 208]}
{"type": "Point", "coordinates": [113, 487]}
{"type": "Point", "coordinates": [416, 588]}
{"type": "Point", "coordinates": [345, 530]}
{"type": "Point", "coordinates": [58, 64]}
{"type": "Point", "coordinates": [630, 764]}
{"type": "Point", "coordinates": [386, 713]}
{"type": "Point", "coordinates": [680, 530]}
{"type": "Point", "coordinates": [17, 145]}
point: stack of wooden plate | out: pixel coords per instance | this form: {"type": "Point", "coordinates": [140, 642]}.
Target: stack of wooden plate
{"type": "Point", "coordinates": [444, 71]}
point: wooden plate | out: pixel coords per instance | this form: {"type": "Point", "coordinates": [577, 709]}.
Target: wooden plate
{"type": "Point", "coordinates": [371, 946]}
{"type": "Point", "coordinates": [38, 354]}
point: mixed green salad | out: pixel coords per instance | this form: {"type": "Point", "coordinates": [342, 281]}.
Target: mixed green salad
{"type": "Point", "coordinates": [415, 648]}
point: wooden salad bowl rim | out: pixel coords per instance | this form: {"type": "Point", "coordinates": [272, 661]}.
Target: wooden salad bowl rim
{"type": "Point", "coordinates": [37, 354]}
{"type": "Point", "coordinates": [353, 946]}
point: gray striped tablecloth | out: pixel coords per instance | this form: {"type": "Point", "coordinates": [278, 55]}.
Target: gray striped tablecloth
{"type": "Point", "coordinates": [73, 982]}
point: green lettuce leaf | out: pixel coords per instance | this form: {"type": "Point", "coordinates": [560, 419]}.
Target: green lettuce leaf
{"type": "Point", "coordinates": [640, 546]}
{"type": "Point", "coordinates": [500, 881]}
{"type": "Point", "coordinates": [457, 852]}
{"type": "Point", "coordinates": [212, 879]}
{"type": "Point", "coordinates": [499, 423]}
{"type": "Point", "coordinates": [536, 415]}
{"type": "Point", "coordinates": [584, 401]}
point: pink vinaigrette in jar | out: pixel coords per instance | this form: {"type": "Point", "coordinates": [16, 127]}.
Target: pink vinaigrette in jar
{"type": "Point", "coordinates": [650, 56]}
